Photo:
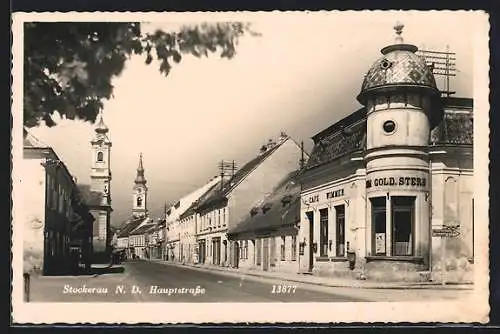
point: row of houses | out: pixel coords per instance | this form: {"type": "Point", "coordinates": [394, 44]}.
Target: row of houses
{"type": "Point", "coordinates": [58, 224]}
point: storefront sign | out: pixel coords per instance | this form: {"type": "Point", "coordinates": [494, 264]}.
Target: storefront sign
{"type": "Point", "coordinates": [335, 193]}
{"type": "Point", "coordinates": [313, 198]}
{"type": "Point", "coordinates": [397, 181]}
{"type": "Point", "coordinates": [380, 243]}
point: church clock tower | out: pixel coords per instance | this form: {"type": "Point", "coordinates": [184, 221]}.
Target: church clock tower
{"type": "Point", "coordinates": [140, 196]}
{"type": "Point", "coordinates": [100, 186]}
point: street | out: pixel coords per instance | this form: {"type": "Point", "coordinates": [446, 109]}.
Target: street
{"type": "Point", "coordinates": [143, 281]}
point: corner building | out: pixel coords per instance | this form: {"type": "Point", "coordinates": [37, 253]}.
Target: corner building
{"type": "Point", "coordinates": [377, 180]}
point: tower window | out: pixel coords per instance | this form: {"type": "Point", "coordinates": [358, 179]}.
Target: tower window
{"type": "Point", "coordinates": [100, 156]}
{"type": "Point", "coordinates": [389, 127]}
{"type": "Point", "coordinates": [139, 201]}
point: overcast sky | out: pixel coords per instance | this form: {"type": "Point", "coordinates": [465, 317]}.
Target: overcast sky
{"type": "Point", "coordinates": [300, 76]}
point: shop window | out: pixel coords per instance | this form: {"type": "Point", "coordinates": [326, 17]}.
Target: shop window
{"type": "Point", "coordinates": [379, 225]}
{"type": "Point", "coordinates": [323, 236]}
{"type": "Point", "coordinates": [294, 248]}
{"type": "Point", "coordinates": [402, 225]}
{"type": "Point", "coordinates": [282, 248]}
{"type": "Point", "coordinates": [340, 226]}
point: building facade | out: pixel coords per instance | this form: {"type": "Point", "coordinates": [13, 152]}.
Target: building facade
{"type": "Point", "coordinates": [267, 237]}
{"type": "Point", "coordinates": [382, 179]}
{"type": "Point", "coordinates": [181, 225]}
{"type": "Point", "coordinates": [57, 235]}
{"type": "Point", "coordinates": [225, 207]}
{"type": "Point", "coordinates": [99, 194]}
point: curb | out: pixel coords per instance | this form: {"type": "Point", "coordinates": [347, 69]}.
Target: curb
{"type": "Point", "coordinates": [428, 286]}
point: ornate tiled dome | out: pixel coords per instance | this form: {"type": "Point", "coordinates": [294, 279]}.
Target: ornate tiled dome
{"type": "Point", "coordinates": [399, 66]}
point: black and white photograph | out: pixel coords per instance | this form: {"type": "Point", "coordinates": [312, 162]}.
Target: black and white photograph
{"type": "Point", "coordinates": [250, 167]}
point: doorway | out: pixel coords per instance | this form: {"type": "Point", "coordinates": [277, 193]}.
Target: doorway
{"type": "Point", "coordinates": [310, 217]}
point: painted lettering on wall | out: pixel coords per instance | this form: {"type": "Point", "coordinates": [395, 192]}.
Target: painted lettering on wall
{"type": "Point", "coordinates": [397, 181]}
{"type": "Point", "coordinates": [335, 193]}
{"type": "Point", "coordinates": [313, 198]}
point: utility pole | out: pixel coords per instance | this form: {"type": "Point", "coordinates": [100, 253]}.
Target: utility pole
{"type": "Point", "coordinates": [226, 167]}
{"type": "Point", "coordinates": [302, 159]}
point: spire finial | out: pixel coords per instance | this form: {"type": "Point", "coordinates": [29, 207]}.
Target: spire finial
{"type": "Point", "coordinates": [398, 27]}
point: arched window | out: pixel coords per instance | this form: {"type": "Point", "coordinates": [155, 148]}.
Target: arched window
{"type": "Point", "coordinates": [139, 201]}
{"type": "Point", "coordinates": [100, 156]}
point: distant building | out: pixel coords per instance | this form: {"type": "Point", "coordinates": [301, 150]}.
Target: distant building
{"type": "Point", "coordinates": [57, 234]}
{"type": "Point", "coordinates": [379, 181]}
{"type": "Point", "coordinates": [140, 194]}
{"type": "Point", "coordinates": [98, 194]}
{"type": "Point", "coordinates": [224, 207]}
{"type": "Point", "coordinates": [181, 227]}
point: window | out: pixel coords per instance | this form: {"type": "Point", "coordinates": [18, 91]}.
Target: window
{"type": "Point", "coordinates": [224, 217]}
{"type": "Point", "coordinates": [402, 225]}
{"type": "Point", "coordinates": [139, 201]}
{"type": "Point", "coordinates": [282, 248]}
{"type": "Point", "coordinates": [340, 235]}
{"type": "Point", "coordinates": [100, 156]}
{"type": "Point", "coordinates": [379, 225]}
{"type": "Point", "coordinates": [294, 248]}
{"type": "Point", "coordinates": [323, 236]}
{"type": "Point", "coordinates": [240, 249]}
{"type": "Point", "coordinates": [246, 249]}
{"type": "Point", "coordinates": [218, 219]}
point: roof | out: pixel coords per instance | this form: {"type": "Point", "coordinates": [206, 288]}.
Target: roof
{"type": "Point", "coordinates": [281, 208]}
{"type": "Point", "coordinates": [194, 206]}
{"type": "Point", "coordinates": [218, 195]}
{"type": "Point", "coordinates": [185, 203]}
{"type": "Point", "coordinates": [344, 137]}
{"type": "Point", "coordinates": [143, 229]}
{"type": "Point", "coordinates": [130, 226]}
{"type": "Point", "coordinates": [349, 134]}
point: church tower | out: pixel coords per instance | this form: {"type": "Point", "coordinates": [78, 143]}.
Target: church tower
{"type": "Point", "coordinates": [100, 186]}
{"type": "Point", "coordinates": [140, 196]}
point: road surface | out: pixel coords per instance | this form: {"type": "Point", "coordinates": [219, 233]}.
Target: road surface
{"type": "Point", "coordinates": [143, 281]}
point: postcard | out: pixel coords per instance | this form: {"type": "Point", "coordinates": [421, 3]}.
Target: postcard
{"type": "Point", "coordinates": [250, 167]}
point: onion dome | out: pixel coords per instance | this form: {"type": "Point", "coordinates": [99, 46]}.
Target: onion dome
{"type": "Point", "coordinates": [140, 179]}
{"type": "Point", "coordinates": [399, 68]}
{"type": "Point", "coordinates": [101, 127]}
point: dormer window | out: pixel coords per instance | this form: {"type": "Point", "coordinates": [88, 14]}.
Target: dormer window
{"type": "Point", "coordinates": [266, 207]}
{"type": "Point", "coordinates": [100, 156]}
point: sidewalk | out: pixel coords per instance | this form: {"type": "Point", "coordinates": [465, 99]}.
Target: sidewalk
{"type": "Point", "coordinates": [321, 281]}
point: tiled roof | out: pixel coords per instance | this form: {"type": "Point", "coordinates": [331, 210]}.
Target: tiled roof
{"type": "Point", "coordinates": [344, 137]}
{"type": "Point", "coordinates": [218, 195]}
{"type": "Point", "coordinates": [130, 226]}
{"type": "Point", "coordinates": [457, 127]}
{"type": "Point", "coordinates": [281, 208]}
{"type": "Point", "coordinates": [143, 229]}
{"type": "Point", "coordinates": [349, 134]}
{"type": "Point", "coordinates": [193, 207]}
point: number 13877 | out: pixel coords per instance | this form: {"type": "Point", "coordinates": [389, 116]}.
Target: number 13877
{"type": "Point", "coordinates": [284, 289]}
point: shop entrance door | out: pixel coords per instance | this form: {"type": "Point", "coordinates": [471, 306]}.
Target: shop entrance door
{"type": "Point", "coordinates": [310, 217]}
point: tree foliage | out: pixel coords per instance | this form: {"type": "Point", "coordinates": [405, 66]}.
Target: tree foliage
{"type": "Point", "coordinates": [69, 66]}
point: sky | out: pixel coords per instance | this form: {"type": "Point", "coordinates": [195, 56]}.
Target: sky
{"type": "Point", "coordinates": [300, 76]}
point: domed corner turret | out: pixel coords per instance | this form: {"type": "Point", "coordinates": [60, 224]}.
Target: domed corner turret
{"type": "Point", "coordinates": [401, 71]}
